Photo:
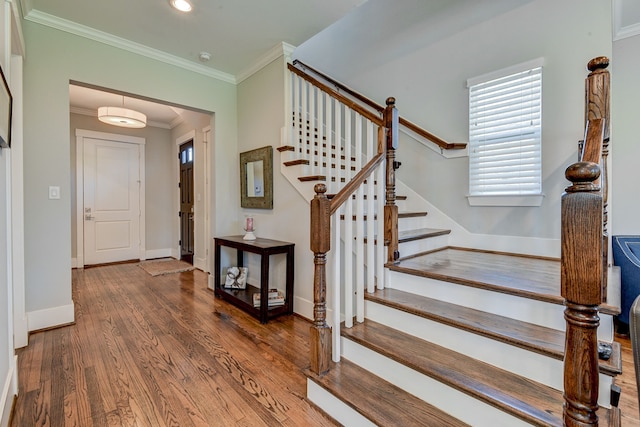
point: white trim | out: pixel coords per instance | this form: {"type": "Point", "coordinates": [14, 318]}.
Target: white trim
{"type": "Point", "coordinates": [81, 134]}
{"type": "Point", "coordinates": [513, 69]}
{"type": "Point", "coordinates": [207, 135]}
{"type": "Point", "coordinates": [159, 253]}
{"type": "Point", "coordinates": [620, 32]}
{"type": "Point", "coordinates": [20, 332]}
{"type": "Point", "coordinates": [509, 200]}
{"type": "Point", "coordinates": [276, 52]}
{"type": "Point", "coordinates": [9, 390]}
{"type": "Point", "coordinates": [51, 317]}
{"type": "Point", "coordinates": [120, 43]}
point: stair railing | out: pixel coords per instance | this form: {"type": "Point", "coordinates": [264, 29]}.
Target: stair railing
{"type": "Point", "coordinates": [346, 147]}
{"type": "Point", "coordinates": [444, 145]}
{"type": "Point", "coordinates": [583, 237]}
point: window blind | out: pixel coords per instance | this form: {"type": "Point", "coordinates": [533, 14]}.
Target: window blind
{"type": "Point", "coordinates": [505, 135]}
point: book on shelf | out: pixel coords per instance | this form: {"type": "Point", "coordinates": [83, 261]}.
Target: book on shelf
{"type": "Point", "coordinates": [275, 298]}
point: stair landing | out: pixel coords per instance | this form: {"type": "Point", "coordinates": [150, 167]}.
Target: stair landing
{"type": "Point", "coordinates": [532, 277]}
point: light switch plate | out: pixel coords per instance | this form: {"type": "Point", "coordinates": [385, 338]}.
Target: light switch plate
{"type": "Point", "coordinates": [54, 192]}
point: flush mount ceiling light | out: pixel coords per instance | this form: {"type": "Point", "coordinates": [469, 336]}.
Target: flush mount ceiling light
{"type": "Point", "coordinates": [181, 5]}
{"type": "Point", "coordinates": [120, 116]}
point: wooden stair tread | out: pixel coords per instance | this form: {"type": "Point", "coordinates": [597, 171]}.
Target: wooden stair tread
{"type": "Point", "coordinates": [421, 233]}
{"type": "Point", "coordinates": [523, 398]}
{"type": "Point", "coordinates": [526, 276]}
{"type": "Point", "coordinates": [379, 401]}
{"type": "Point", "coordinates": [529, 336]}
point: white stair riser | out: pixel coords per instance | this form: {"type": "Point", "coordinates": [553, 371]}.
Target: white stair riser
{"type": "Point", "coordinates": [335, 407]}
{"type": "Point", "coordinates": [528, 310]}
{"type": "Point", "coordinates": [532, 365]}
{"type": "Point", "coordinates": [423, 245]}
{"type": "Point", "coordinates": [445, 398]}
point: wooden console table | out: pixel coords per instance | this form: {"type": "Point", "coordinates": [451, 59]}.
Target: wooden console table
{"type": "Point", "coordinates": [243, 298]}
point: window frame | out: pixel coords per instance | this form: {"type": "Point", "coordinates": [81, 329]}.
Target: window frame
{"type": "Point", "coordinates": [508, 199]}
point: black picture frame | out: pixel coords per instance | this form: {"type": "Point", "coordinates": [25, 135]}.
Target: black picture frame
{"type": "Point", "coordinates": [6, 106]}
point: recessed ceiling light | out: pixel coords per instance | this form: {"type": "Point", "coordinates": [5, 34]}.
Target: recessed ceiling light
{"type": "Point", "coordinates": [181, 5]}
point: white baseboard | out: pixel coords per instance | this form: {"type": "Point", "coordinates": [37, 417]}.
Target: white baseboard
{"type": "Point", "coordinates": [51, 317]}
{"type": "Point", "coordinates": [159, 253]}
{"type": "Point", "coordinates": [9, 390]}
{"type": "Point", "coordinates": [74, 262]}
{"type": "Point", "coordinates": [200, 263]}
{"type": "Point", "coordinates": [20, 332]}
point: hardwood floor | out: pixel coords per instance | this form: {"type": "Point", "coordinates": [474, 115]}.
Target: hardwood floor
{"type": "Point", "coordinates": [162, 351]}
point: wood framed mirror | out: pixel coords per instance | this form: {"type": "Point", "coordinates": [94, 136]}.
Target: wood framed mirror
{"type": "Point", "coordinates": [256, 178]}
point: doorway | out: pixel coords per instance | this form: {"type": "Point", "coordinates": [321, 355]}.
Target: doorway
{"type": "Point", "coordinates": [110, 197]}
{"type": "Point", "coordinates": [185, 156]}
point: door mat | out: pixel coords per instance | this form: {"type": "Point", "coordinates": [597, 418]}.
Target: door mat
{"type": "Point", "coordinates": [157, 267]}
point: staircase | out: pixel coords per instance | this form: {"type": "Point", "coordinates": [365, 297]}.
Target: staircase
{"type": "Point", "coordinates": [442, 335]}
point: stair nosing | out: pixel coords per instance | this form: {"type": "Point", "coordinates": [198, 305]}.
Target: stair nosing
{"type": "Point", "coordinates": [461, 377]}
{"type": "Point", "coordinates": [545, 297]}
{"type": "Point", "coordinates": [355, 402]}
{"type": "Point", "coordinates": [554, 338]}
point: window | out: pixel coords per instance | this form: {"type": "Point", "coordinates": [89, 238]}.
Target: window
{"type": "Point", "coordinates": [505, 112]}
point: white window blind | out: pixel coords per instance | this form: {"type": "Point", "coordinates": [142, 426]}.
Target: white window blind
{"type": "Point", "coordinates": [505, 135]}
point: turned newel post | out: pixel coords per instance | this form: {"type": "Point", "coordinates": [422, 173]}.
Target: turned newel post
{"type": "Point", "coordinates": [320, 333]}
{"type": "Point", "coordinates": [390, 207]}
{"type": "Point", "coordinates": [581, 287]}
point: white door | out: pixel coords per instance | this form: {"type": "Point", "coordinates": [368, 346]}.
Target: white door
{"type": "Point", "coordinates": [111, 209]}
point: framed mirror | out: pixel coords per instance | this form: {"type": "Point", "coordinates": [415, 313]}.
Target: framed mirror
{"type": "Point", "coordinates": [256, 178]}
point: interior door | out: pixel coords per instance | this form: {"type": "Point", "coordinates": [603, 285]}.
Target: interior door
{"type": "Point", "coordinates": [111, 187]}
{"type": "Point", "coordinates": [186, 202]}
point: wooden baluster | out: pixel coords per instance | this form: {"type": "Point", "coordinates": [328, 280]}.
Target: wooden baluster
{"type": "Point", "coordinates": [390, 207]}
{"type": "Point", "coordinates": [581, 287]}
{"type": "Point", "coordinates": [597, 87]}
{"type": "Point", "coordinates": [320, 332]}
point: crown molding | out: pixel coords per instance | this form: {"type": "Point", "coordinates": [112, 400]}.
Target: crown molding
{"type": "Point", "coordinates": [118, 42]}
{"type": "Point", "coordinates": [276, 52]}
{"type": "Point", "coordinates": [620, 31]}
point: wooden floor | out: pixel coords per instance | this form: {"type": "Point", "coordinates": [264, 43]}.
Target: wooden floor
{"type": "Point", "coordinates": [162, 351]}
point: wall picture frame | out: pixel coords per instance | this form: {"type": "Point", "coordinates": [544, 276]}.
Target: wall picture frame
{"type": "Point", "coordinates": [6, 107]}
{"type": "Point", "coordinates": [256, 178]}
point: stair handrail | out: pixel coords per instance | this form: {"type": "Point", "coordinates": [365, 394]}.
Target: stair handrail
{"type": "Point", "coordinates": [582, 266]}
{"type": "Point", "coordinates": [322, 208]}
{"type": "Point", "coordinates": [377, 107]}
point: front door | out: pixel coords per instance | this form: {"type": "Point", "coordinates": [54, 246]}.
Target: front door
{"type": "Point", "coordinates": [111, 189]}
{"type": "Point", "coordinates": [186, 201]}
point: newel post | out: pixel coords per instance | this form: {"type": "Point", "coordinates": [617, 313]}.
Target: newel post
{"type": "Point", "coordinates": [320, 332]}
{"type": "Point", "coordinates": [390, 207]}
{"type": "Point", "coordinates": [581, 276]}
{"type": "Point", "coordinates": [597, 88]}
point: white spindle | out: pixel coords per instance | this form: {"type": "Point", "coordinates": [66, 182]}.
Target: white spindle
{"type": "Point", "coordinates": [304, 116]}
{"type": "Point", "coordinates": [360, 218]}
{"type": "Point", "coordinates": [371, 219]}
{"type": "Point", "coordinates": [311, 138]}
{"type": "Point", "coordinates": [380, 248]}
{"type": "Point", "coordinates": [338, 143]}
{"type": "Point", "coordinates": [348, 232]}
{"type": "Point", "coordinates": [337, 264]}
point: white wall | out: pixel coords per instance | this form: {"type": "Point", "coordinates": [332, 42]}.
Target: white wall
{"type": "Point", "coordinates": [261, 117]}
{"type": "Point", "coordinates": [55, 58]}
{"type": "Point", "coordinates": [625, 138]}
{"type": "Point", "coordinates": [396, 49]}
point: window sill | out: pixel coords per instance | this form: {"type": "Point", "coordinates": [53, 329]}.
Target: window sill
{"type": "Point", "coordinates": [508, 200]}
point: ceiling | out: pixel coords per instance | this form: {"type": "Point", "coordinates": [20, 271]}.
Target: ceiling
{"type": "Point", "coordinates": [236, 33]}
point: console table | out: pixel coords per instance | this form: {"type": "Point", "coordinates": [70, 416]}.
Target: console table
{"type": "Point", "coordinates": [243, 298]}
